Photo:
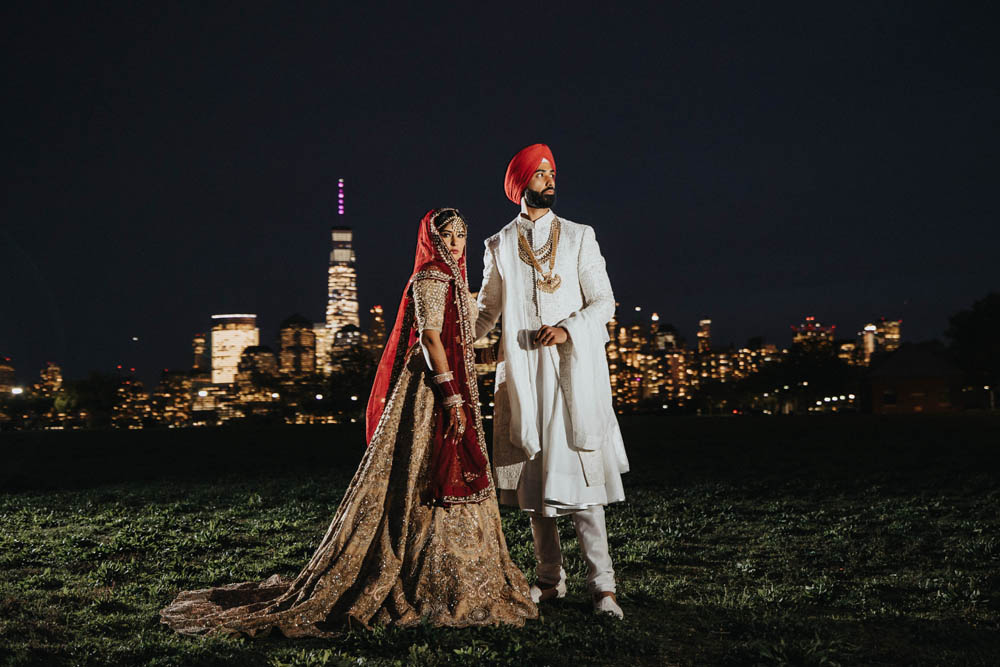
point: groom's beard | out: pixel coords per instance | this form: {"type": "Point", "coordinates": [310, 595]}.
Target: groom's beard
{"type": "Point", "coordinates": [537, 200]}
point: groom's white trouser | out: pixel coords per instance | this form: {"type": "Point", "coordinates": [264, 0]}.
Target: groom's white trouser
{"type": "Point", "coordinates": [593, 537]}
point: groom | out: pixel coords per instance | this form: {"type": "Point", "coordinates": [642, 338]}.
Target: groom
{"type": "Point", "coordinates": [557, 449]}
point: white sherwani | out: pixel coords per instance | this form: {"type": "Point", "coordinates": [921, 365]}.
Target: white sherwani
{"type": "Point", "coordinates": [557, 447]}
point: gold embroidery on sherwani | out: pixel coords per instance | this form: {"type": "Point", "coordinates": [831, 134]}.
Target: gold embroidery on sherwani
{"type": "Point", "coordinates": [388, 556]}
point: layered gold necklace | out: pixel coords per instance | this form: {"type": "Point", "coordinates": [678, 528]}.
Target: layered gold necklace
{"type": "Point", "coordinates": [549, 281]}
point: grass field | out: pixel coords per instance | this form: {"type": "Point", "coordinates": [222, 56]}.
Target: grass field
{"type": "Point", "coordinates": [803, 541]}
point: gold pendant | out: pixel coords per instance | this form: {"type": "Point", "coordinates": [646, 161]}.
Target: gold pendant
{"type": "Point", "coordinates": [549, 283]}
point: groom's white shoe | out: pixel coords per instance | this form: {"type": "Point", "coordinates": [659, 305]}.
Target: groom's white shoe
{"type": "Point", "coordinates": [606, 603]}
{"type": "Point", "coordinates": [542, 594]}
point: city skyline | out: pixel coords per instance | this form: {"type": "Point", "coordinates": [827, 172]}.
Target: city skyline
{"type": "Point", "coordinates": [750, 167]}
{"type": "Point", "coordinates": [318, 372]}
{"type": "Point", "coordinates": [231, 334]}
{"type": "Point", "coordinates": [343, 304]}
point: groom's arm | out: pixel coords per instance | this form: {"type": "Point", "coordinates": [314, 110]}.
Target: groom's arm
{"type": "Point", "coordinates": [598, 299]}
{"type": "Point", "coordinates": [490, 298]}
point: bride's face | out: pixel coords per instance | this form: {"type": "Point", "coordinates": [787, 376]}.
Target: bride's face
{"type": "Point", "coordinates": [453, 236]}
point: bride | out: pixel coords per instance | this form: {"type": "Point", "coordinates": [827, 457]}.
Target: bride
{"type": "Point", "coordinates": [417, 535]}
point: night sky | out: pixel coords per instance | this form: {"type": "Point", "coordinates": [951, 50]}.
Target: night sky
{"type": "Point", "coordinates": [740, 162]}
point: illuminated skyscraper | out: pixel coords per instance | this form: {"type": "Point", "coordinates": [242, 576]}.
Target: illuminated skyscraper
{"type": "Point", "coordinates": [662, 337]}
{"type": "Point", "coordinates": [342, 288]}
{"type": "Point", "coordinates": [868, 343]}
{"type": "Point", "coordinates": [704, 336]}
{"type": "Point", "coordinates": [324, 345]}
{"type": "Point", "coordinates": [342, 284]}
{"type": "Point", "coordinates": [812, 336]}
{"type": "Point", "coordinates": [51, 379]}
{"type": "Point", "coordinates": [678, 379]}
{"type": "Point", "coordinates": [888, 334]}
{"type": "Point", "coordinates": [200, 348]}
{"type": "Point", "coordinates": [7, 379]}
{"type": "Point", "coordinates": [378, 326]}
{"type": "Point", "coordinates": [848, 352]}
{"type": "Point", "coordinates": [231, 334]}
{"type": "Point", "coordinates": [298, 347]}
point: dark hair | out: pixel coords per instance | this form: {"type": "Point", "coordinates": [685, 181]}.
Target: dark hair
{"type": "Point", "coordinates": [443, 215]}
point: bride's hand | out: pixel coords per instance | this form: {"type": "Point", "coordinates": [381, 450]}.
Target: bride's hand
{"type": "Point", "coordinates": [456, 422]}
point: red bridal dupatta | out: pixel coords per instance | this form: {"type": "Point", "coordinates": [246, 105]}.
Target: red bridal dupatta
{"type": "Point", "coordinates": [458, 471]}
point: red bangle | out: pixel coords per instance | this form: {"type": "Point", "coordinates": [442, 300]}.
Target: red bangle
{"type": "Point", "coordinates": [449, 388]}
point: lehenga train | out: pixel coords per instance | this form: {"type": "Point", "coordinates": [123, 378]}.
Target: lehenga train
{"type": "Point", "coordinates": [388, 557]}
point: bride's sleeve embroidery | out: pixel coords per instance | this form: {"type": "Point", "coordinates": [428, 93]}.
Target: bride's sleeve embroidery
{"type": "Point", "coordinates": [429, 295]}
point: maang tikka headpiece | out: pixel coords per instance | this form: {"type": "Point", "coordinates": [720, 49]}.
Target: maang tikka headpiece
{"type": "Point", "coordinates": [450, 220]}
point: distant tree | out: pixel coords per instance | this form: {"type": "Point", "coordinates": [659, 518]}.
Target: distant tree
{"type": "Point", "coordinates": [354, 372]}
{"type": "Point", "coordinates": [974, 339]}
{"type": "Point", "coordinates": [801, 378]}
{"type": "Point", "coordinates": [66, 401]}
{"type": "Point", "coordinates": [26, 410]}
{"type": "Point", "coordinates": [98, 395]}
{"type": "Point", "coordinates": [300, 396]}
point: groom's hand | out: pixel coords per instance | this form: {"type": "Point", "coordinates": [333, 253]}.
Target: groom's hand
{"type": "Point", "coordinates": [551, 336]}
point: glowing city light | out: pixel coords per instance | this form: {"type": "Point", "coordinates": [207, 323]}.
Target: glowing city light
{"type": "Point", "coordinates": [354, 398]}
{"type": "Point", "coordinates": [319, 397]}
{"type": "Point", "coordinates": [202, 393]}
{"type": "Point", "coordinates": [274, 394]}
{"type": "Point", "coordinates": [17, 390]}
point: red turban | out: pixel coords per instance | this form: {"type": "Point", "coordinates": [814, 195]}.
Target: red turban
{"type": "Point", "coordinates": [522, 167]}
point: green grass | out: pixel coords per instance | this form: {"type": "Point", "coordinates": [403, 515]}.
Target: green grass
{"type": "Point", "coordinates": [812, 541]}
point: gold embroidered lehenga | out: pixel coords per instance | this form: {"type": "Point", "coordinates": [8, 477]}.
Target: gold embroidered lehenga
{"type": "Point", "coordinates": [393, 553]}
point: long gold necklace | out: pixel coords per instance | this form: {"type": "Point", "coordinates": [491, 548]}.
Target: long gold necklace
{"type": "Point", "coordinates": [550, 281]}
